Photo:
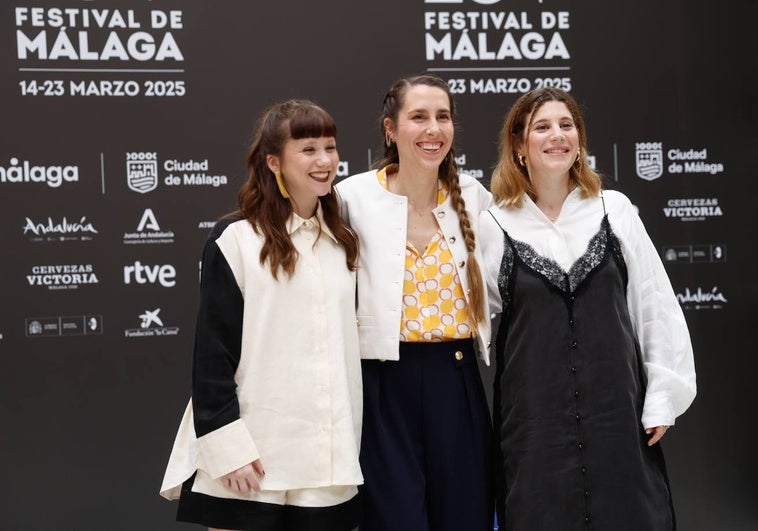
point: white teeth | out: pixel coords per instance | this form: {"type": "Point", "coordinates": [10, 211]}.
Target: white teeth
{"type": "Point", "coordinates": [320, 175]}
{"type": "Point", "coordinates": [430, 146]}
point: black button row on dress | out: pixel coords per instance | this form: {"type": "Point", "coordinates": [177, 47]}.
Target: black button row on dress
{"type": "Point", "coordinates": [580, 445]}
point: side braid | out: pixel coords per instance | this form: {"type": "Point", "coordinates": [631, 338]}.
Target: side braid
{"type": "Point", "coordinates": [473, 273]}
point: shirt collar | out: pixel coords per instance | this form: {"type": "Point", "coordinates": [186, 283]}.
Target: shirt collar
{"type": "Point", "coordinates": [573, 197]}
{"type": "Point", "coordinates": [296, 223]}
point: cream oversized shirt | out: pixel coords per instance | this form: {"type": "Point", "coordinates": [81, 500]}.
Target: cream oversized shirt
{"type": "Point", "coordinates": [297, 377]}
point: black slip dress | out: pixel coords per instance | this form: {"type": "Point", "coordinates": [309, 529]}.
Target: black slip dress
{"type": "Point", "coordinates": [568, 398]}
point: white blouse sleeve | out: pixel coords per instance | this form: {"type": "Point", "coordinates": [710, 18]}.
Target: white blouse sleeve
{"type": "Point", "coordinates": [658, 320]}
{"type": "Point", "coordinates": [491, 239]}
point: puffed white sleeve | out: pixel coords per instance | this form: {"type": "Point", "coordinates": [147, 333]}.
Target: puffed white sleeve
{"type": "Point", "coordinates": [492, 241]}
{"type": "Point", "coordinates": [659, 322]}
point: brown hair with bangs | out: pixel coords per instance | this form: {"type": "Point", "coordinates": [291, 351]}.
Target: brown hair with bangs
{"type": "Point", "coordinates": [260, 201]}
{"type": "Point", "coordinates": [510, 180]}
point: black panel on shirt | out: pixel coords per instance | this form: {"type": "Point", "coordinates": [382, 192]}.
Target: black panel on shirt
{"type": "Point", "coordinates": [218, 338]}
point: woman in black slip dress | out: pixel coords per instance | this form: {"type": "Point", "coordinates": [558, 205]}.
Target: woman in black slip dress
{"type": "Point", "coordinates": [594, 360]}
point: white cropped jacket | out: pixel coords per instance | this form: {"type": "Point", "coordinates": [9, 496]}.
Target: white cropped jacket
{"type": "Point", "coordinates": [379, 217]}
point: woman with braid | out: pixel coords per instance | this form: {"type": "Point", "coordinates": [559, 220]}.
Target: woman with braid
{"type": "Point", "coordinates": [426, 444]}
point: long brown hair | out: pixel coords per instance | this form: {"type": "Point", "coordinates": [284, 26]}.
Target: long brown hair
{"type": "Point", "coordinates": [260, 201]}
{"type": "Point", "coordinates": [448, 173]}
{"type": "Point", "coordinates": [510, 180]}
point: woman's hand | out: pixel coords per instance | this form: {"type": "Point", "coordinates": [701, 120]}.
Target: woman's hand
{"type": "Point", "coordinates": [245, 479]}
{"type": "Point", "coordinates": [657, 434]}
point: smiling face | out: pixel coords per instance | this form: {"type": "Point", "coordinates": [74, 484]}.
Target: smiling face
{"type": "Point", "coordinates": [423, 130]}
{"type": "Point", "coordinates": [308, 166]}
{"type": "Point", "coordinates": [551, 141]}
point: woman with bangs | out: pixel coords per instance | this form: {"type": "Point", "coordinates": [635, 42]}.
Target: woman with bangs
{"type": "Point", "coordinates": [270, 438]}
{"type": "Point", "coordinates": [422, 322]}
{"type": "Point", "coordinates": [593, 357]}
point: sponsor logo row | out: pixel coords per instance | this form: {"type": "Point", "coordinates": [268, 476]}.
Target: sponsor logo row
{"type": "Point", "coordinates": [143, 172]}
{"type": "Point", "coordinates": [74, 276]}
{"type": "Point", "coordinates": [148, 229]}
{"type": "Point", "coordinates": [150, 322]}
{"type": "Point", "coordinates": [147, 324]}
{"type": "Point", "coordinates": [79, 228]}
{"type": "Point", "coordinates": [688, 254]}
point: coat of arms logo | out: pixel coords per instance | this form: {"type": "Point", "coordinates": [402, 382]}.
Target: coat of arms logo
{"type": "Point", "coordinates": [649, 160]}
{"type": "Point", "coordinates": [142, 172]}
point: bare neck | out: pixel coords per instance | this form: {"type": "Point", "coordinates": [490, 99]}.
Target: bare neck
{"type": "Point", "coordinates": [551, 193]}
{"type": "Point", "coordinates": [420, 187]}
{"type": "Point", "coordinates": [306, 207]}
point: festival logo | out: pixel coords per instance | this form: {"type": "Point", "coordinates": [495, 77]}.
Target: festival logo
{"type": "Point", "coordinates": [91, 44]}
{"type": "Point", "coordinates": [486, 49]}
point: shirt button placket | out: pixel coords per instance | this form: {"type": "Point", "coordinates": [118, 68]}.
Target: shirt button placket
{"type": "Point", "coordinates": [320, 342]}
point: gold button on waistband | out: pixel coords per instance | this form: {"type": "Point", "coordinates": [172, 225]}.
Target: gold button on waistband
{"type": "Point", "coordinates": [458, 355]}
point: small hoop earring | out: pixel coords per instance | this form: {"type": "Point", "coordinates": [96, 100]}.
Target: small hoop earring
{"type": "Point", "coordinates": [280, 184]}
{"type": "Point", "coordinates": [521, 159]}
